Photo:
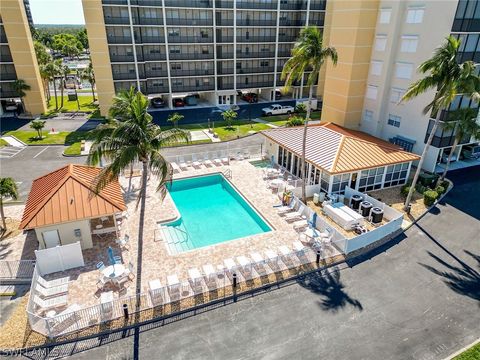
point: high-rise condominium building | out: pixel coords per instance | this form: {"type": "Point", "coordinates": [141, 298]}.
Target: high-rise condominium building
{"type": "Point", "coordinates": [17, 57]}
{"type": "Point", "coordinates": [212, 48]}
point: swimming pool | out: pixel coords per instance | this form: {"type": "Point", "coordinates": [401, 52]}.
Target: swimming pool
{"type": "Point", "coordinates": [211, 212]}
{"type": "Point", "coordinates": [261, 163]}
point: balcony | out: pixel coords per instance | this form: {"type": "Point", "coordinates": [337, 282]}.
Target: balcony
{"type": "Point", "coordinates": [155, 89]}
{"type": "Point", "coordinates": [154, 57]}
{"type": "Point", "coordinates": [256, 70]}
{"type": "Point", "coordinates": [189, 56]}
{"type": "Point", "coordinates": [222, 86]}
{"type": "Point", "coordinates": [318, 4]}
{"type": "Point", "coordinates": [122, 58]}
{"type": "Point", "coordinates": [225, 39]}
{"type": "Point", "coordinates": [241, 4]}
{"type": "Point", "coordinates": [261, 54]}
{"type": "Point", "coordinates": [189, 3]}
{"type": "Point", "coordinates": [190, 22]}
{"type": "Point", "coordinates": [114, 2]}
{"type": "Point", "coordinates": [285, 53]}
{"type": "Point", "coordinates": [194, 87]}
{"type": "Point", "coordinates": [287, 38]}
{"type": "Point", "coordinates": [156, 73]}
{"type": "Point", "coordinates": [196, 72]}
{"type": "Point", "coordinates": [125, 76]}
{"type": "Point", "coordinates": [189, 39]}
{"type": "Point", "coordinates": [6, 58]}
{"type": "Point", "coordinates": [149, 21]}
{"type": "Point", "coordinates": [112, 39]}
{"type": "Point", "coordinates": [116, 20]}
{"type": "Point", "coordinates": [224, 22]}
{"type": "Point", "coordinates": [225, 71]}
{"type": "Point", "coordinates": [159, 39]}
{"type": "Point", "coordinates": [254, 84]}
{"type": "Point", "coordinates": [255, 39]}
{"type": "Point", "coordinates": [224, 55]}
{"type": "Point", "coordinates": [7, 94]}
{"type": "Point", "coordinates": [289, 22]}
{"type": "Point", "coordinates": [146, 2]}
{"type": "Point", "coordinates": [3, 38]}
{"type": "Point", "coordinates": [249, 22]}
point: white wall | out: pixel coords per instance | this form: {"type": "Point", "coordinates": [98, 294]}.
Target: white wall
{"type": "Point", "coordinates": [67, 234]}
{"type": "Point", "coordinates": [59, 258]}
{"type": "Point", "coordinates": [436, 25]}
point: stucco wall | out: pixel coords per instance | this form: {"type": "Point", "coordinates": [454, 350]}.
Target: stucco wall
{"type": "Point", "coordinates": [67, 234]}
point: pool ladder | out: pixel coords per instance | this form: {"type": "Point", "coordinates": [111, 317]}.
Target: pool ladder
{"type": "Point", "coordinates": [228, 174]}
{"type": "Point", "coordinates": [173, 234]}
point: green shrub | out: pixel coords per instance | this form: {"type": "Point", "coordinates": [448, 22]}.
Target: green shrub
{"type": "Point", "coordinates": [405, 190]}
{"type": "Point", "coordinates": [445, 184]}
{"type": "Point", "coordinates": [420, 188]}
{"type": "Point", "coordinates": [294, 121]}
{"type": "Point", "coordinates": [429, 197]}
{"type": "Point", "coordinates": [440, 190]}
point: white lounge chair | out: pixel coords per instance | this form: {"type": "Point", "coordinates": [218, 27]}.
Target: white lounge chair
{"type": "Point", "coordinates": [195, 162]}
{"type": "Point", "coordinates": [51, 302]}
{"type": "Point", "coordinates": [285, 254]}
{"type": "Point", "coordinates": [216, 160]}
{"type": "Point", "coordinates": [230, 266]}
{"type": "Point", "coordinates": [282, 210]}
{"type": "Point", "coordinates": [272, 259]}
{"type": "Point", "coordinates": [175, 167]}
{"type": "Point", "coordinates": [51, 291]}
{"type": "Point", "coordinates": [207, 161]}
{"type": "Point", "coordinates": [258, 262]}
{"type": "Point", "coordinates": [173, 286]}
{"type": "Point", "coordinates": [299, 247]}
{"type": "Point", "coordinates": [300, 225]}
{"type": "Point", "coordinates": [65, 321]}
{"type": "Point", "coordinates": [225, 159]}
{"type": "Point", "coordinates": [52, 283]}
{"type": "Point", "coordinates": [210, 274]}
{"type": "Point", "coordinates": [246, 266]}
{"type": "Point", "coordinates": [183, 164]}
{"type": "Point", "coordinates": [196, 279]}
{"type": "Point", "coordinates": [296, 214]}
{"type": "Point", "coordinates": [239, 156]}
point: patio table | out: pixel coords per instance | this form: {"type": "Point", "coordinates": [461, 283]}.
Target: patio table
{"type": "Point", "coordinates": [106, 297]}
{"type": "Point", "coordinates": [114, 271]}
{"type": "Point", "coordinates": [99, 226]}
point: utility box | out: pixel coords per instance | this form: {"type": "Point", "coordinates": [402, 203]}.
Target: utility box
{"type": "Point", "coordinates": [72, 96]}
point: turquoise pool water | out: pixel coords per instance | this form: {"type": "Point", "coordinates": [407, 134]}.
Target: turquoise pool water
{"type": "Point", "coordinates": [261, 163]}
{"type": "Point", "coordinates": [211, 212]}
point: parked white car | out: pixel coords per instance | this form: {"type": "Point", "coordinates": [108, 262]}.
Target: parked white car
{"type": "Point", "coordinates": [276, 109]}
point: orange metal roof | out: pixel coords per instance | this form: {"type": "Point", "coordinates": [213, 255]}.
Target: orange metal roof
{"type": "Point", "coordinates": [68, 194]}
{"type": "Point", "coordinates": [339, 150]}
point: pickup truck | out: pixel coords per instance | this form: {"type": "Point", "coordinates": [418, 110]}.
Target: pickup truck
{"type": "Point", "coordinates": [276, 109]}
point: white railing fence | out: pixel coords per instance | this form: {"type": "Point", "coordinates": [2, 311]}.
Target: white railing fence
{"type": "Point", "coordinates": [185, 292]}
{"type": "Point", "coordinates": [16, 270]}
{"type": "Point", "coordinates": [236, 153]}
{"type": "Point", "coordinates": [59, 258]}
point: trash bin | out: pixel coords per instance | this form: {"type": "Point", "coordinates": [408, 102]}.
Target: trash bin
{"type": "Point", "coordinates": [72, 96]}
{"type": "Point", "coordinates": [321, 198]}
{"type": "Point", "coordinates": [315, 198]}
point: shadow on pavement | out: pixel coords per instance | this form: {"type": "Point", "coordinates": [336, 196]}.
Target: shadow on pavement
{"type": "Point", "coordinates": [330, 287]}
{"type": "Point", "coordinates": [463, 279]}
{"type": "Point", "coordinates": [12, 123]}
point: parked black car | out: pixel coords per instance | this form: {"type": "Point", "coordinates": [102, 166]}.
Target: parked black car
{"type": "Point", "coordinates": [158, 102]}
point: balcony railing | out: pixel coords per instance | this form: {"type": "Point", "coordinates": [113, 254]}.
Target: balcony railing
{"type": "Point", "coordinates": [261, 54]}
{"type": "Point", "coordinates": [225, 71]}
{"type": "Point", "coordinates": [288, 22]}
{"type": "Point", "coordinates": [149, 21]}
{"type": "Point", "coordinates": [224, 22]}
{"type": "Point", "coordinates": [124, 76]}
{"type": "Point", "coordinates": [155, 89]}
{"type": "Point", "coordinates": [119, 39]}
{"type": "Point", "coordinates": [198, 72]}
{"type": "Point", "coordinates": [122, 58]}
{"type": "Point", "coordinates": [3, 38]}
{"type": "Point", "coordinates": [224, 55]}
{"type": "Point", "coordinates": [248, 22]}
{"type": "Point", "coordinates": [318, 4]}
{"type": "Point", "coordinates": [116, 20]}
{"type": "Point", "coordinates": [224, 4]}
{"type": "Point", "coordinates": [189, 39]}
{"type": "Point", "coordinates": [7, 94]}
{"type": "Point", "coordinates": [156, 73]}
{"type": "Point", "coordinates": [4, 58]}
{"type": "Point", "coordinates": [159, 39]}
{"type": "Point", "coordinates": [222, 86]}
{"type": "Point", "coordinates": [146, 2]}
{"type": "Point", "coordinates": [256, 39]}
{"type": "Point", "coordinates": [260, 69]}
{"type": "Point", "coordinates": [225, 39]}
{"type": "Point", "coordinates": [187, 56]}
{"type": "Point", "coordinates": [285, 53]}
{"type": "Point", "coordinates": [288, 38]}
{"type": "Point", "coordinates": [189, 3]}
{"type": "Point", "coordinates": [194, 87]}
{"type": "Point", "coordinates": [254, 84]}
{"type": "Point", "coordinates": [299, 5]}
{"type": "Point", "coordinates": [114, 2]}
{"type": "Point", "coordinates": [189, 22]}
{"type": "Point", "coordinates": [153, 57]}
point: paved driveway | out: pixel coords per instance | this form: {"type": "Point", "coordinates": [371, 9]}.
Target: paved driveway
{"type": "Point", "coordinates": [417, 299]}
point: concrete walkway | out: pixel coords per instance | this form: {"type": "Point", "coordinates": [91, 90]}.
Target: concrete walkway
{"type": "Point", "coordinates": [261, 121]}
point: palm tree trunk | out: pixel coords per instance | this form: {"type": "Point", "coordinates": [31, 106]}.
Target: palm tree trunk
{"type": "Point", "coordinates": [55, 93]}
{"type": "Point", "coordinates": [2, 214]}
{"type": "Point", "coordinates": [304, 144]}
{"type": "Point", "coordinates": [62, 84]}
{"type": "Point", "coordinates": [422, 159]}
{"type": "Point", "coordinates": [454, 146]}
{"type": "Point", "coordinates": [93, 91]}
{"type": "Point", "coordinates": [130, 179]}
{"type": "Point", "coordinates": [143, 196]}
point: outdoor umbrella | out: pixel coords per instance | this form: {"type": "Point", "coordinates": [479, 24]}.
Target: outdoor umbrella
{"type": "Point", "coordinates": [110, 255]}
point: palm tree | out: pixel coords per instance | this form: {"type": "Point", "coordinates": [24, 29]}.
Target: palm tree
{"type": "Point", "coordinates": [45, 79]}
{"type": "Point", "coordinates": [88, 75]}
{"type": "Point", "coordinates": [134, 139]}
{"type": "Point", "coordinates": [8, 188]}
{"type": "Point", "coordinates": [449, 79]}
{"type": "Point", "coordinates": [52, 70]}
{"type": "Point", "coordinates": [464, 123]}
{"type": "Point", "coordinates": [63, 71]}
{"type": "Point", "coordinates": [38, 126]}
{"type": "Point", "coordinates": [175, 118]}
{"type": "Point", "coordinates": [121, 103]}
{"type": "Point", "coordinates": [229, 116]}
{"type": "Point", "coordinates": [308, 54]}
{"type": "Point", "coordinates": [20, 86]}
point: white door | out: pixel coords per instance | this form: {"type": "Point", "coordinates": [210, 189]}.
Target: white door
{"type": "Point", "coordinates": [51, 238]}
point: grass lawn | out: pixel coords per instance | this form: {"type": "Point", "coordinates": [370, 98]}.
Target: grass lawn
{"type": "Point", "coordinates": [86, 104]}
{"type": "Point", "coordinates": [281, 120]}
{"type": "Point", "coordinates": [63, 137]}
{"type": "Point", "coordinates": [471, 354]}
{"type": "Point", "coordinates": [239, 127]}
{"type": "Point", "coordinates": [3, 143]}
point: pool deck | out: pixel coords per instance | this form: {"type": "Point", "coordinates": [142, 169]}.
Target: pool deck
{"type": "Point", "coordinates": [157, 262]}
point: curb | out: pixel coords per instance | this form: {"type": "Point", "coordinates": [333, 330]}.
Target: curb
{"type": "Point", "coordinates": [465, 348]}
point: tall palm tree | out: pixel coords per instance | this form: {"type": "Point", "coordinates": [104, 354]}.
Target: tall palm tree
{"type": "Point", "coordinates": [134, 139]}
{"type": "Point", "coordinates": [449, 79]}
{"type": "Point", "coordinates": [88, 75]}
{"type": "Point", "coordinates": [63, 71]}
{"type": "Point", "coordinates": [52, 70]}
{"type": "Point", "coordinates": [308, 54]}
{"type": "Point", "coordinates": [20, 86]}
{"type": "Point", "coordinates": [8, 188]}
{"type": "Point", "coordinates": [464, 123]}
{"type": "Point", "coordinates": [45, 79]}
{"type": "Point", "coordinates": [121, 103]}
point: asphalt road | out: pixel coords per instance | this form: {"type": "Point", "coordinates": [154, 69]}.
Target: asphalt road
{"type": "Point", "coordinates": [418, 298]}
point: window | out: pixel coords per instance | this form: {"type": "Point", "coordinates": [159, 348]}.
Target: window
{"type": "Point", "coordinates": [176, 66]}
{"type": "Point", "coordinates": [409, 43]}
{"type": "Point", "coordinates": [394, 120]}
{"type": "Point", "coordinates": [371, 179]}
{"type": "Point", "coordinates": [380, 42]}
{"type": "Point", "coordinates": [415, 15]}
{"type": "Point", "coordinates": [385, 16]}
{"type": "Point", "coordinates": [264, 63]}
{"type": "Point", "coordinates": [372, 92]}
{"type": "Point", "coordinates": [368, 115]}
{"type": "Point", "coordinates": [403, 70]}
{"type": "Point", "coordinates": [340, 182]}
{"type": "Point", "coordinates": [173, 32]}
{"type": "Point", "coordinates": [396, 95]}
{"type": "Point", "coordinates": [376, 67]}
{"type": "Point", "coordinates": [324, 181]}
{"type": "Point", "coordinates": [396, 175]}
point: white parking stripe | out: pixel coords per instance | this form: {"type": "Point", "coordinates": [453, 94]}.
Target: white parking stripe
{"type": "Point", "coordinates": [10, 151]}
{"type": "Point", "coordinates": [41, 152]}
